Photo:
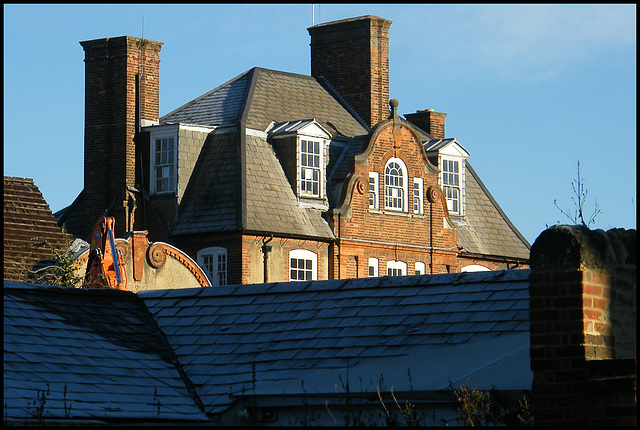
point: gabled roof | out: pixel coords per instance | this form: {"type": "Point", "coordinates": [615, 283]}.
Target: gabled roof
{"type": "Point", "coordinates": [113, 349]}
{"type": "Point", "coordinates": [27, 217]}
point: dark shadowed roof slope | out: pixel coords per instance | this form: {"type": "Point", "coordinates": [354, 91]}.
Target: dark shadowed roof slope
{"type": "Point", "coordinates": [96, 354]}
{"type": "Point", "coordinates": [26, 217]}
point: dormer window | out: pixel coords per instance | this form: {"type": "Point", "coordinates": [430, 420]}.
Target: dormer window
{"type": "Point", "coordinates": [164, 151]}
{"type": "Point", "coordinates": [310, 167]}
{"type": "Point", "coordinates": [303, 149]}
{"type": "Point", "coordinates": [450, 157]}
{"type": "Point", "coordinates": [451, 184]}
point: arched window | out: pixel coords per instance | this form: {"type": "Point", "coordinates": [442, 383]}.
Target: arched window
{"type": "Point", "coordinates": [303, 265]}
{"type": "Point", "coordinates": [373, 267]}
{"type": "Point", "coordinates": [396, 268]}
{"type": "Point", "coordinates": [395, 185]}
{"type": "Point", "coordinates": [420, 268]}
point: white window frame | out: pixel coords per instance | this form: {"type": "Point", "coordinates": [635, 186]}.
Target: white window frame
{"type": "Point", "coordinates": [306, 256]}
{"type": "Point", "coordinates": [452, 183]}
{"type": "Point", "coordinates": [305, 169]}
{"type": "Point", "coordinates": [217, 268]}
{"type": "Point", "coordinates": [171, 165]}
{"type": "Point", "coordinates": [396, 268]}
{"type": "Point", "coordinates": [420, 268]}
{"type": "Point", "coordinates": [373, 267]}
{"type": "Point", "coordinates": [374, 190]}
{"type": "Point", "coordinates": [418, 200]}
{"type": "Point", "coordinates": [391, 190]}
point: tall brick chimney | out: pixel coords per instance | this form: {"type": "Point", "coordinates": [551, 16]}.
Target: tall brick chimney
{"type": "Point", "coordinates": [353, 55]}
{"type": "Point", "coordinates": [111, 66]}
{"type": "Point", "coordinates": [428, 120]}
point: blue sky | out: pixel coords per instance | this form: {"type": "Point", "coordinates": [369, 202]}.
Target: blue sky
{"type": "Point", "coordinates": [528, 89]}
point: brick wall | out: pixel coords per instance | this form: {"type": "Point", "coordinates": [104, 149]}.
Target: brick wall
{"type": "Point", "coordinates": [111, 66]}
{"type": "Point", "coordinates": [583, 320]}
{"type": "Point", "coordinates": [353, 55]}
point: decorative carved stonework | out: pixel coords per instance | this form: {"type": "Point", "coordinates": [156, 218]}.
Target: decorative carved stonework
{"type": "Point", "coordinates": [156, 256]}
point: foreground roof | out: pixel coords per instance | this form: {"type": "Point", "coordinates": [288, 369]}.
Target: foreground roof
{"type": "Point", "coordinates": [95, 354]}
{"type": "Point", "coordinates": [119, 355]}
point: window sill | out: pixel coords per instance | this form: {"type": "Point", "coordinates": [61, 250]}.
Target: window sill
{"type": "Point", "coordinates": [397, 213]}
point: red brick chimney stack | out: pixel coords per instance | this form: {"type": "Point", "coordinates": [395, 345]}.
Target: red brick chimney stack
{"type": "Point", "coordinates": [428, 120]}
{"type": "Point", "coordinates": [111, 66]}
{"type": "Point", "coordinates": [353, 55]}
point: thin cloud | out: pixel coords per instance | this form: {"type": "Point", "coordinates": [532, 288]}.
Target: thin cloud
{"type": "Point", "coordinates": [530, 42]}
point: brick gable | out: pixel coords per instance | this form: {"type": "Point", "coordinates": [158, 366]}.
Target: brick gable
{"type": "Point", "coordinates": [391, 235]}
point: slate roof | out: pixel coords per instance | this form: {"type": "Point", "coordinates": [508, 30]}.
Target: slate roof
{"type": "Point", "coordinates": [287, 332]}
{"type": "Point", "coordinates": [240, 184]}
{"type": "Point", "coordinates": [220, 107]}
{"type": "Point", "coordinates": [102, 346]}
{"type": "Point", "coordinates": [120, 354]}
{"type": "Point", "coordinates": [260, 96]}
{"type": "Point", "coordinates": [487, 229]}
{"type": "Point", "coordinates": [26, 216]}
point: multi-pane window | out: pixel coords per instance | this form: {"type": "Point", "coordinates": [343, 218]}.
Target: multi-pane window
{"type": "Point", "coordinates": [373, 267]}
{"type": "Point", "coordinates": [394, 185]}
{"type": "Point", "coordinates": [303, 265]}
{"type": "Point", "coordinates": [164, 164]}
{"type": "Point", "coordinates": [417, 195]}
{"type": "Point", "coordinates": [451, 184]}
{"type": "Point", "coordinates": [396, 268]}
{"type": "Point", "coordinates": [214, 262]}
{"type": "Point", "coordinates": [310, 167]}
{"type": "Point", "coordinates": [420, 268]}
{"type": "Point", "coordinates": [373, 190]}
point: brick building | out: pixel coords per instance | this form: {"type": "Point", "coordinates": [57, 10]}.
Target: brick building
{"type": "Point", "coordinates": [275, 176]}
